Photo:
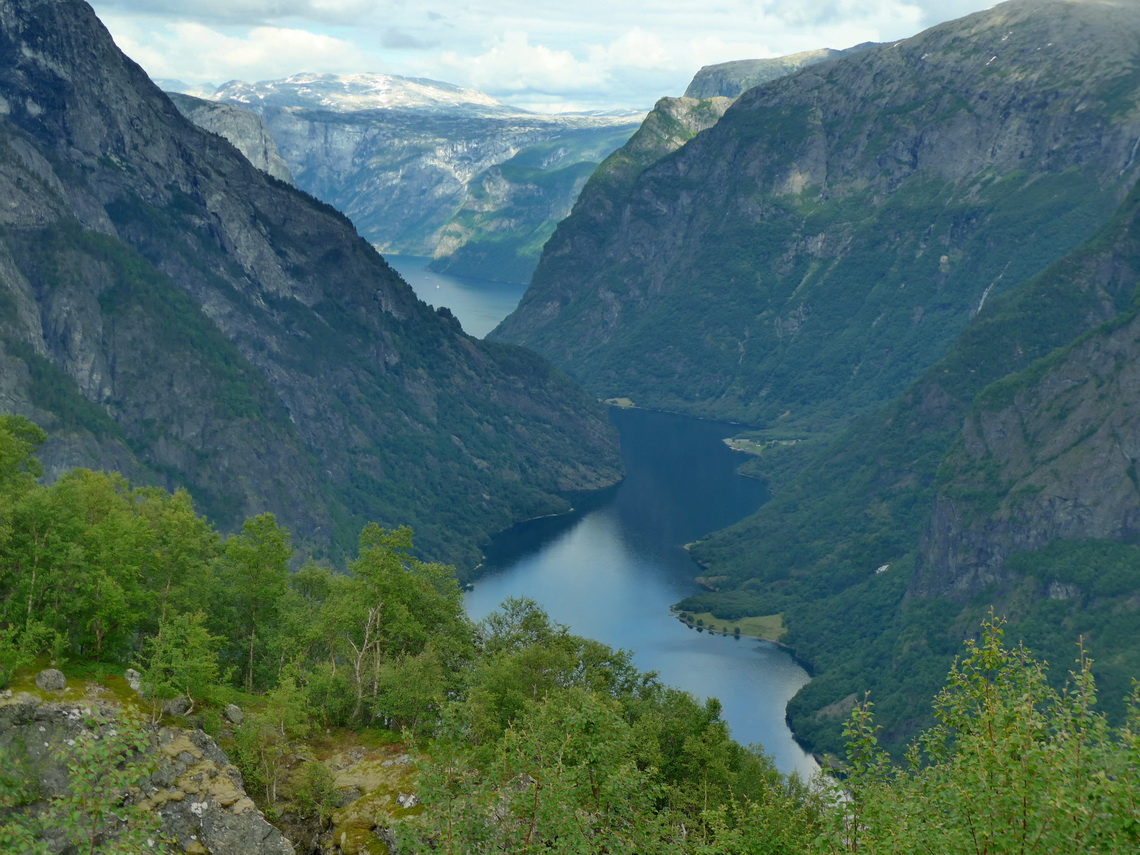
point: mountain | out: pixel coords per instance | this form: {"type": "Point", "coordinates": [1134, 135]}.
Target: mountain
{"type": "Point", "coordinates": [243, 129]}
{"type": "Point", "coordinates": [809, 255]}
{"type": "Point", "coordinates": [512, 208]}
{"type": "Point", "coordinates": [426, 168]}
{"type": "Point", "coordinates": [731, 79]}
{"type": "Point", "coordinates": [173, 312]}
{"type": "Point", "coordinates": [351, 93]}
{"type": "Point", "coordinates": [1004, 477]}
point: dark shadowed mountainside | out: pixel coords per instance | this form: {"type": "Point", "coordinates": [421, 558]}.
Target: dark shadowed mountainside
{"type": "Point", "coordinates": [173, 312]}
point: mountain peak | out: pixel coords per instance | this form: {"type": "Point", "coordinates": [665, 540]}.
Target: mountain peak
{"type": "Point", "coordinates": [364, 91]}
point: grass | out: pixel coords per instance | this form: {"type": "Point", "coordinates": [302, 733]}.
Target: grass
{"type": "Point", "coordinates": [763, 627]}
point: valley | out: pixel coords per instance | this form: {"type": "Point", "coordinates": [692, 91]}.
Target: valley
{"type": "Point", "coordinates": [496, 534]}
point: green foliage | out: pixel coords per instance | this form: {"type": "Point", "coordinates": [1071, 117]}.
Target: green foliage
{"type": "Point", "coordinates": [255, 576]}
{"type": "Point", "coordinates": [262, 741]}
{"type": "Point", "coordinates": [561, 744]}
{"type": "Point", "coordinates": [97, 813]}
{"type": "Point", "coordinates": [1012, 765]}
{"type": "Point", "coordinates": [314, 790]}
{"type": "Point", "coordinates": [180, 660]}
{"type": "Point", "coordinates": [19, 439]}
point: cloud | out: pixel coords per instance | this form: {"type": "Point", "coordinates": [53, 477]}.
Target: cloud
{"type": "Point", "coordinates": [634, 48]}
{"type": "Point", "coordinates": [587, 52]}
{"type": "Point", "coordinates": [194, 52]}
{"type": "Point", "coordinates": [402, 40]}
{"type": "Point", "coordinates": [512, 64]}
{"type": "Point", "coordinates": [248, 11]}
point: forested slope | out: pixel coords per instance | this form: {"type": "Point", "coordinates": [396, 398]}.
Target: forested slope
{"type": "Point", "coordinates": [1003, 476]}
{"type": "Point", "coordinates": [810, 255]}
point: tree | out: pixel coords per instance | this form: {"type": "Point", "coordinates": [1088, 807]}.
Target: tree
{"type": "Point", "coordinates": [1011, 766]}
{"type": "Point", "coordinates": [563, 779]}
{"type": "Point", "coordinates": [256, 573]}
{"type": "Point", "coordinates": [181, 660]}
{"type": "Point", "coordinates": [262, 739]}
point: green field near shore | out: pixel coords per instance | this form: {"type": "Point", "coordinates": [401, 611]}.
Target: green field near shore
{"type": "Point", "coordinates": [767, 627]}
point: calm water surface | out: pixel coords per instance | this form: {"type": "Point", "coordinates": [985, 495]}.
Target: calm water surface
{"type": "Point", "coordinates": [611, 570]}
{"type": "Point", "coordinates": [479, 304]}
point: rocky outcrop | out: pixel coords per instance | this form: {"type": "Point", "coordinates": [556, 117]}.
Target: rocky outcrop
{"type": "Point", "coordinates": [731, 79]}
{"type": "Point", "coordinates": [813, 252]}
{"type": "Point", "coordinates": [174, 313]}
{"type": "Point", "coordinates": [244, 129]}
{"type": "Point", "coordinates": [1045, 457]}
{"type": "Point", "coordinates": [669, 125]}
{"type": "Point", "coordinates": [512, 208]}
{"type": "Point", "coordinates": [192, 788]}
{"type": "Point", "coordinates": [410, 161]}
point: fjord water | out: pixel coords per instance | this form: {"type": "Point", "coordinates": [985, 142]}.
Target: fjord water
{"type": "Point", "coordinates": [479, 304]}
{"type": "Point", "coordinates": [611, 569]}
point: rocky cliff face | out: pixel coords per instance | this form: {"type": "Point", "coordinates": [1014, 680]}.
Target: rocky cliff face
{"type": "Point", "coordinates": [1047, 453]}
{"type": "Point", "coordinates": [244, 129]}
{"type": "Point", "coordinates": [731, 79]}
{"type": "Point", "coordinates": [825, 241]}
{"type": "Point", "coordinates": [512, 208]}
{"type": "Point", "coordinates": [410, 162]}
{"type": "Point", "coordinates": [193, 790]}
{"type": "Point", "coordinates": [669, 125]}
{"type": "Point", "coordinates": [174, 312]}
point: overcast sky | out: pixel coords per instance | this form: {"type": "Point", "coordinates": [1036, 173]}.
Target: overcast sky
{"type": "Point", "coordinates": [549, 55]}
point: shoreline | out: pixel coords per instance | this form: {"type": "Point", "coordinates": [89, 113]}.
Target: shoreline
{"type": "Point", "coordinates": [676, 614]}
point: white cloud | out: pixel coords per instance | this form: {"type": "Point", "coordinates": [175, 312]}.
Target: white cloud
{"type": "Point", "coordinates": [195, 52]}
{"type": "Point", "coordinates": [512, 64]}
{"type": "Point", "coordinates": [249, 11]}
{"type": "Point", "coordinates": [634, 48]}
{"type": "Point", "coordinates": [588, 52]}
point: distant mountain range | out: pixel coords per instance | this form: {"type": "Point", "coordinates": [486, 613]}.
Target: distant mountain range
{"type": "Point", "coordinates": [427, 168]}
{"type": "Point", "coordinates": [172, 312]}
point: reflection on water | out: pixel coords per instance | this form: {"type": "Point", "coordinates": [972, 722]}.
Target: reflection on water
{"type": "Point", "coordinates": [611, 569]}
{"type": "Point", "coordinates": [479, 304]}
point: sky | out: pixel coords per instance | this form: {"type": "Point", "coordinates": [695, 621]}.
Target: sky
{"type": "Point", "coordinates": [544, 55]}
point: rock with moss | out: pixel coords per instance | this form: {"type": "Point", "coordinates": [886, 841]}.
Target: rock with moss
{"type": "Point", "coordinates": [185, 791]}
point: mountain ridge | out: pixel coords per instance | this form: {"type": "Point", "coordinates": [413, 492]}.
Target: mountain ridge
{"type": "Point", "coordinates": [434, 169]}
{"type": "Point", "coordinates": [783, 235]}
{"type": "Point", "coordinates": [184, 317]}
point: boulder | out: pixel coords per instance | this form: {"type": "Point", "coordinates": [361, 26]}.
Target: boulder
{"type": "Point", "coordinates": [177, 706]}
{"type": "Point", "coordinates": [233, 714]}
{"type": "Point", "coordinates": [51, 680]}
{"type": "Point", "coordinates": [134, 680]}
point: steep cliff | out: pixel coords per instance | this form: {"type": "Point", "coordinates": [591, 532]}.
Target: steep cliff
{"type": "Point", "coordinates": [731, 79]}
{"type": "Point", "coordinates": [425, 168]}
{"type": "Point", "coordinates": [175, 313]}
{"type": "Point", "coordinates": [244, 129]}
{"type": "Point", "coordinates": [809, 255]}
{"type": "Point", "coordinates": [1045, 454]}
{"type": "Point", "coordinates": [1002, 477]}
{"type": "Point", "coordinates": [512, 208]}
